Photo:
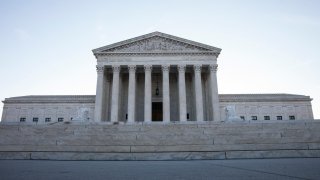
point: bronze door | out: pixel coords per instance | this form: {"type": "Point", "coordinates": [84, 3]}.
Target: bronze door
{"type": "Point", "coordinates": [157, 111]}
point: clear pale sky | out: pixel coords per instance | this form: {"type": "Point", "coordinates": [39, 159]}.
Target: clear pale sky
{"type": "Point", "coordinates": [267, 46]}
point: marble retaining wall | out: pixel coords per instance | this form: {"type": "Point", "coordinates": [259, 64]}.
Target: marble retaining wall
{"type": "Point", "coordinates": [174, 141]}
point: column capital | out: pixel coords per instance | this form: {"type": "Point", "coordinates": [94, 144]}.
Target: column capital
{"type": "Point", "coordinates": [147, 67]}
{"type": "Point", "coordinates": [213, 67]}
{"type": "Point", "coordinates": [181, 67]}
{"type": "Point", "coordinates": [116, 68]}
{"type": "Point", "coordinates": [197, 67]}
{"type": "Point", "coordinates": [100, 69]}
{"type": "Point", "coordinates": [132, 68]}
{"type": "Point", "coordinates": [165, 67]}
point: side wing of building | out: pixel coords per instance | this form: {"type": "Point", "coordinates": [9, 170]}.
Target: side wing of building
{"type": "Point", "coordinates": [268, 106]}
{"type": "Point", "coordinates": [48, 109]}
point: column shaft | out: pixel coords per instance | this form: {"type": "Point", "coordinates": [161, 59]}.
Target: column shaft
{"type": "Point", "coordinates": [115, 94]}
{"type": "Point", "coordinates": [214, 93]}
{"type": "Point", "coordinates": [198, 92]}
{"type": "Point", "coordinates": [147, 92]}
{"type": "Point", "coordinates": [106, 99]}
{"type": "Point", "coordinates": [98, 110]}
{"type": "Point", "coordinates": [131, 93]}
{"type": "Point", "coordinates": [182, 93]}
{"type": "Point", "coordinates": [166, 93]}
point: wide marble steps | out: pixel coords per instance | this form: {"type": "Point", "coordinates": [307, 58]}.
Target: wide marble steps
{"type": "Point", "coordinates": [172, 141]}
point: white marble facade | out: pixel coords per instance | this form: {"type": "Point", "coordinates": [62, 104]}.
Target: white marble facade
{"type": "Point", "coordinates": [157, 77]}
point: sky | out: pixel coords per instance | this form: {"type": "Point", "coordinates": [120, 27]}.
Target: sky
{"type": "Point", "coordinates": [267, 46]}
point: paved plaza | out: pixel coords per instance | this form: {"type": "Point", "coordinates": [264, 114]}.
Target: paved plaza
{"type": "Point", "coordinates": [299, 168]}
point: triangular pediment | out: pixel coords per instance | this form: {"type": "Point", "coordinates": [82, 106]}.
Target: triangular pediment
{"type": "Point", "coordinates": [154, 43]}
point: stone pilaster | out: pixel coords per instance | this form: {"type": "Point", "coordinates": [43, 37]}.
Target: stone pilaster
{"type": "Point", "coordinates": [115, 94]}
{"type": "Point", "coordinates": [99, 94]}
{"type": "Point", "coordinates": [131, 93]}
{"type": "Point", "coordinates": [147, 92]}
{"type": "Point", "coordinates": [198, 92]}
{"type": "Point", "coordinates": [214, 92]}
{"type": "Point", "coordinates": [182, 93]}
{"type": "Point", "coordinates": [166, 93]}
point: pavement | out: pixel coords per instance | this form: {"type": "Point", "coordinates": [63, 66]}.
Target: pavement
{"type": "Point", "coordinates": [294, 168]}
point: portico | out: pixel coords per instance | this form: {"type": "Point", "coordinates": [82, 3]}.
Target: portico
{"type": "Point", "coordinates": [156, 73]}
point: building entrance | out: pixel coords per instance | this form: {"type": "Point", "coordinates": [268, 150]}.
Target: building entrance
{"type": "Point", "coordinates": [157, 111]}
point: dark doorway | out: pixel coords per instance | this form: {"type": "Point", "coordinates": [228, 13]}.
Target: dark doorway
{"type": "Point", "coordinates": [157, 111]}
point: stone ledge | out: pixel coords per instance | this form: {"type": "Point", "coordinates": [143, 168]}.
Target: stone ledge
{"type": "Point", "coordinates": [161, 156]}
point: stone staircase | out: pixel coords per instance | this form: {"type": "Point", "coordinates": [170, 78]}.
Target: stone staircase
{"type": "Point", "coordinates": [172, 141]}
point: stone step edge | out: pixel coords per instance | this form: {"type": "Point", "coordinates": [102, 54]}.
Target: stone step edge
{"type": "Point", "coordinates": [158, 148]}
{"type": "Point", "coordinates": [161, 156]}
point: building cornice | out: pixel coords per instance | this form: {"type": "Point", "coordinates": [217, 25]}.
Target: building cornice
{"type": "Point", "coordinates": [262, 97]}
{"type": "Point", "coordinates": [144, 54]}
{"type": "Point", "coordinates": [52, 99]}
{"type": "Point", "coordinates": [222, 98]}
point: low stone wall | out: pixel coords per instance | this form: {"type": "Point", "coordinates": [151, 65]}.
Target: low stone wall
{"type": "Point", "coordinates": [172, 141]}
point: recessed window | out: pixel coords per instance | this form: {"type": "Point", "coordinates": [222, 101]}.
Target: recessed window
{"type": "Point", "coordinates": [292, 117]}
{"type": "Point", "coordinates": [279, 117]}
{"type": "Point", "coordinates": [35, 119]}
{"type": "Point", "coordinates": [254, 118]}
{"type": "Point", "coordinates": [266, 117]}
{"type": "Point", "coordinates": [242, 117]}
{"type": "Point", "coordinates": [23, 119]}
{"type": "Point", "coordinates": [47, 119]}
{"type": "Point", "coordinates": [60, 119]}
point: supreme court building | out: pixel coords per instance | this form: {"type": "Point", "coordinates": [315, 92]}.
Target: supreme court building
{"type": "Point", "coordinates": [157, 77]}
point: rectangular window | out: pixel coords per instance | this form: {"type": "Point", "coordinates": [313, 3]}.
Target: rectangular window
{"type": "Point", "coordinates": [22, 119]}
{"type": "Point", "coordinates": [60, 119]}
{"type": "Point", "coordinates": [35, 119]}
{"type": "Point", "coordinates": [242, 117]}
{"type": "Point", "coordinates": [254, 118]}
{"type": "Point", "coordinates": [47, 119]}
{"type": "Point", "coordinates": [292, 117]}
{"type": "Point", "coordinates": [279, 117]}
{"type": "Point", "coordinates": [266, 117]}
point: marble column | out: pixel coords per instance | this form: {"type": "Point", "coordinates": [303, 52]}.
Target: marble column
{"type": "Point", "coordinates": [98, 110]}
{"type": "Point", "coordinates": [166, 93]}
{"type": "Point", "coordinates": [147, 94]}
{"type": "Point", "coordinates": [182, 93]}
{"type": "Point", "coordinates": [131, 93]}
{"type": "Point", "coordinates": [198, 92]}
{"type": "Point", "coordinates": [214, 92]}
{"type": "Point", "coordinates": [106, 100]}
{"type": "Point", "coordinates": [115, 94]}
